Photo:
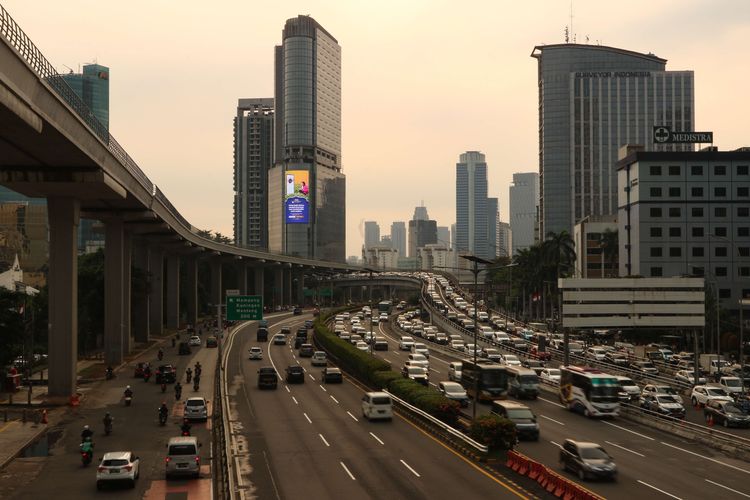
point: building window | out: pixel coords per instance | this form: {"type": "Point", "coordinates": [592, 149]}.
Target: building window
{"type": "Point", "coordinates": [697, 211]}
{"type": "Point", "coordinates": [720, 271]}
{"type": "Point", "coordinates": [674, 170]}
{"type": "Point", "coordinates": [696, 170]}
{"type": "Point", "coordinates": [720, 170]}
{"type": "Point", "coordinates": [720, 231]}
{"type": "Point", "coordinates": [743, 211]}
{"type": "Point", "coordinates": [696, 192]}
{"type": "Point", "coordinates": [743, 251]}
{"type": "Point", "coordinates": [743, 192]}
{"type": "Point", "coordinates": [720, 211]}
{"type": "Point", "coordinates": [655, 170]}
{"type": "Point", "coordinates": [743, 231]}
{"type": "Point", "coordinates": [675, 252]}
{"type": "Point", "coordinates": [697, 232]}
{"type": "Point", "coordinates": [656, 232]}
{"type": "Point", "coordinates": [720, 192]}
{"type": "Point", "coordinates": [674, 192]}
{"type": "Point", "coordinates": [725, 293]}
{"type": "Point", "coordinates": [675, 232]}
{"type": "Point", "coordinates": [697, 251]}
{"type": "Point", "coordinates": [698, 271]}
{"type": "Point", "coordinates": [655, 212]}
{"type": "Point", "coordinates": [674, 211]}
{"type": "Point", "coordinates": [656, 271]}
{"type": "Point", "coordinates": [741, 169]}
{"type": "Point", "coordinates": [655, 251]}
{"type": "Point", "coordinates": [655, 192]}
{"type": "Point", "coordinates": [720, 251]}
{"type": "Point", "coordinates": [744, 271]}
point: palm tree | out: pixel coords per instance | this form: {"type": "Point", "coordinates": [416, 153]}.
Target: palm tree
{"type": "Point", "coordinates": [559, 249]}
{"type": "Point", "coordinates": [610, 250]}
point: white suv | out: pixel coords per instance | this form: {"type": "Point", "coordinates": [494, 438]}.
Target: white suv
{"type": "Point", "coordinates": [406, 343]}
{"type": "Point", "coordinates": [196, 409]}
{"type": "Point", "coordinates": [118, 466]}
{"type": "Point", "coordinates": [702, 393]}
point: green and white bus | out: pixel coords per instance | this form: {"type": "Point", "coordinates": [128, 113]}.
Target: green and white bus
{"type": "Point", "coordinates": [589, 391]}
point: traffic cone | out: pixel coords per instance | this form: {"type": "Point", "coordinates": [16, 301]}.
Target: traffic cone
{"type": "Point", "coordinates": [44, 416]}
{"type": "Point", "coordinates": [710, 421]}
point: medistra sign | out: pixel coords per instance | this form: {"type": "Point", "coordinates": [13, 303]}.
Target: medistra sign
{"type": "Point", "coordinates": [663, 135]}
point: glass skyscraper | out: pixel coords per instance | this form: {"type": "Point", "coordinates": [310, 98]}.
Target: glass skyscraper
{"type": "Point", "coordinates": [472, 214]}
{"type": "Point", "coordinates": [592, 100]}
{"type": "Point", "coordinates": [307, 189]}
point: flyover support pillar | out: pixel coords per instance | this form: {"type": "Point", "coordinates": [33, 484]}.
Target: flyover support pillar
{"type": "Point", "coordinates": [173, 291]}
{"type": "Point", "coordinates": [156, 292]}
{"type": "Point", "coordinates": [288, 285]}
{"type": "Point", "coordinates": [258, 275]}
{"type": "Point", "coordinates": [114, 289]}
{"type": "Point", "coordinates": [127, 262]}
{"type": "Point", "coordinates": [64, 215]}
{"type": "Point", "coordinates": [192, 291]}
{"type": "Point", "coordinates": [299, 290]}
{"type": "Point", "coordinates": [244, 268]}
{"type": "Point", "coordinates": [215, 283]}
{"type": "Point", "coordinates": [278, 286]}
{"type": "Point", "coordinates": [140, 305]}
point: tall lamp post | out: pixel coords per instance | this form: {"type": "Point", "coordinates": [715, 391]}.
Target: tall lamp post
{"type": "Point", "coordinates": [372, 313]}
{"type": "Point", "coordinates": [475, 271]}
{"type": "Point", "coordinates": [510, 285]}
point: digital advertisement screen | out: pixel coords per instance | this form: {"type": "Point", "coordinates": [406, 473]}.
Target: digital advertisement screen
{"type": "Point", "coordinates": [297, 197]}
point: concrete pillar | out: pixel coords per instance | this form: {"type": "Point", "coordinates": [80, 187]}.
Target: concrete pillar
{"type": "Point", "coordinates": [156, 290]}
{"type": "Point", "coordinates": [216, 284]}
{"type": "Point", "coordinates": [278, 286]}
{"type": "Point", "coordinates": [258, 278]}
{"type": "Point", "coordinates": [127, 263]}
{"type": "Point", "coordinates": [192, 290]}
{"type": "Point", "coordinates": [243, 272]}
{"type": "Point", "coordinates": [63, 214]}
{"type": "Point", "coordinates": [287, 285]}
{"type": "Point", "coordinates": [173, 291]}
{"type": "Point", "coordinates": [114, 289]}
{"type": "Point", "coordinates": [300, 290]}
{"type": "Point", "coordinates": [140, 305]}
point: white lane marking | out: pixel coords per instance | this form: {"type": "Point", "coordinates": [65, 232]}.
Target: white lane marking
{"type": "Point", "coordinates": [552, 419]}
{"type": "Point", "coordinates": [626, 449]}
{"type": "Point", "coordinates": [297, 360]}
{"type": "Point", "coordinates": [295, 400]}
{"type": "Point", "coordinates": [287, 388]}
{"type": "Point", "coordinates": [377, 439]}
{"type": "Point", "coordinates": [660, 491]}
{"type": "Point", "coordinates": [310, 375]}
{"type": "Point", "coordinates": [347, 471]}
{"type": "Point", "coordinates": [304, 369]}
{"type": "Point", "coordinates": [433, 384]}
{"type": "Point", "coordinates": [551, 402]}
{"type": "Point", "coordinates": [336, 400]}
{"type": "Point", "coordinates": [295, 357]}
{"type": "Point", "coordinates": [324, 440]}
{"type": "Point", "coordinates": [436, 371]}
{"type": "Point", "coordinates": [728, 488]}
{"type": "Point", "coordinates": [706, 458]}
{"type": "Point", "coordinates": [324, 389]}
{"type": "Point", "coordinates": [308, 418]}
{"type": "Point", "coordinates": [397, 353]}
{"type": "Point", "coordinates": [556, 444]}
{"type": "Point", "coordinates": [628, 430]}
{"type": "Point", "coordinates": [409, 467]}
{"type": "Point", "coordinates": [350, 414]}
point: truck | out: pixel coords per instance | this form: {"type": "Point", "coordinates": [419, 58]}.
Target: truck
{"type": "Point", "coordinates": [713, 363]}
{"type": "Point", "coordinates": [652, 353]}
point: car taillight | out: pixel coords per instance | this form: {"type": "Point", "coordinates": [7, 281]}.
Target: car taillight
{"type": "Point", "coordinates": [197, 459]}
{"type": "Point", "coordinates": [128, 468]}
{"type": "Point", "coordinates": [167, 460]}
{"type": "Point", "coordinates": [101, 469]}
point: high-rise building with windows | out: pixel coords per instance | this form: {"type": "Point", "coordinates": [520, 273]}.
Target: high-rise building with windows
{"type": "Point", "coordinates": [471, 205]}
{"type": "Point", "coordinates": [253, 157]}
{"type": "Point", "coordinates": [372, 234]}
{"type": "Point", "coordinates": [398, 237]}
{"type": "Point", "coordinates": [306, 186]}
{"type": "Point", "coordinates": [523, 196]}
{"type": "Point", "coordinates": [592, 100]}
{"type": "Point", "coordinates": [505, 239]}
{"type": "Point", "coordinates": [444, 236]}
{"type": "Point", "coordinates": [493, 220]}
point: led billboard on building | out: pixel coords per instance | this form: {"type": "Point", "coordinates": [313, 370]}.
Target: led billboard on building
{"type": "Point", "coordinates": [297, 197]}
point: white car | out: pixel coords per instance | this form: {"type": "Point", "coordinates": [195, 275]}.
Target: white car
{"type": "Point", "coordinates": [118, 466]}
{"type": "Point", "coordinates": [458, 345]}
{"type": "Point", "coordinates": [420, 348]}
{"type": "Point", "coordinates": [702, 393]}
{"type": "Point", "coordinates": [319, 359]}
{"type": "Point", "coordinates": [550, 375]}
{"type": "Point", "coordinates": [419, 360]}
{"type": "Point", "coordinates": [362, 345]}
{"type": "Point", "coordinates": [406, 343]}
{"type": "Point", "coordinates": [510, 360]}
{"type": "Point", "coordinates": [256, 353]}
{"type": "Point", "coordinates": [688, 377]}
{"type": "Point", "coordinates": [196, 408]}
{"type": "Point", "coordinates": [194, 341]}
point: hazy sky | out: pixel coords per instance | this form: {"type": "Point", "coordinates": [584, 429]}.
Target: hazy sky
{"type": "Point", "coordinates": [423, 81]}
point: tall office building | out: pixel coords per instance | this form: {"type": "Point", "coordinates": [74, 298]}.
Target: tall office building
{"type": "Point", "coordinates": [523, 195]}
{"type": "Point", "coordinates": [471, 205]}
{"type": "Point", "coordinates": [253, 157]}
{"type": "Point", "coordinates": [504, 239]}
{"type": "Point", "coordinates": [372, 234]}
{"type": "Point", "coordinates": [444, 236]}
{"type": "Point", "coordinates": [420, 213]}
{"type": "Point", "coordinates": [592, 100]}
{"type": "Point", "coordinates": [493, 220]}
{"type": "Point", "coordinates": [421, 233]}
{"type": "Point", "coordinates": [398, 237]}
{"type": "Point", "coordinates": [453, 237]}
{"type": "Point", "coordinates": [306, 187]}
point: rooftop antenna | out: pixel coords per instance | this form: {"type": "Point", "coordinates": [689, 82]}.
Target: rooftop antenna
{"type": "Point", "coordinates": [567, 35]}
{"type": "Point", "coordinates": [571, 21]}
{"type": "Point", "coordinates": [69, 68]}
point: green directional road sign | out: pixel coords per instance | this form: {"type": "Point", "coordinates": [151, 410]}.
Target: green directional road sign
{"type": "Point", "coordinates": [244, 307]}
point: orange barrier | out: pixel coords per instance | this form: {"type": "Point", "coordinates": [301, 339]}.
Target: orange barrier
{"type": "Point", "coordinates": [44, 416]}
{"type": "Point", "coordinates": [552, 482]}
{"type": "Point", "coordinates": [75, 400]}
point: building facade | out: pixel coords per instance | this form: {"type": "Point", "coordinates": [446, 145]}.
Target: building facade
{"type": "Point", "coordinates": [505, 239]}
{"type": "Point", "coordinates": [594, 259]}
{"type": "Point", "coordinates": [421, 234]}
{"type": "Point", "coordinates": [592, 100]}
{"type": "Point", "coordinates": [435, 256]}
{"type": "Point", "coordinates": [493, 220]}
{"type": "Point", "coordinates": [523, 196]}
{"type": "Point", "coordinates": [471, 205]}
{"type": "Point", "coordinates": [372, 234]}
{"type": "Point", "coordinates": [380, 257]}
{"type": "Point", "coordinates": [306, 186]}
{"type": "Point", "coordinates": [253, 157]}
{"type": "Point", "coordinates": [444, 235]}
{"type": "Point", "coordinates": [686, 213]}
{"type": "Point", "coordinates": [398, 237]}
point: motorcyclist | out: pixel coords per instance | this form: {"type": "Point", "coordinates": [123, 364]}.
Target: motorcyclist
{"type": "Point", "coordinates": [163, 411]}
{"type": "Point", "coordinates": [146, 373]}
{"type": "Point", "coordinates": [87, 446]}
{"type": "Point", "coordinates": [128, 392]}
{"type": "Point", "coordinates": [110, 373]}
{"type": "Point", "coordinates": [86, 433]}
{"type": "Point", "coordinates": [177, 390]}
{"type": "Point", "coordinates": [198, 369]}
{"type": "Point", "coordinates": [160, 354]}
{"type": "Point", "coordinates": [185, 427]}
{"type": "Point", "coordinates": [189, 374]}
{"type": "Point", "coordinates": [196, 382]}
{"type": "Point", "coordinates": [107, 421]}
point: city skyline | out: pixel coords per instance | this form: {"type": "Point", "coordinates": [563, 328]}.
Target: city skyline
{"type": "Point", "coordinates": [198, 179]}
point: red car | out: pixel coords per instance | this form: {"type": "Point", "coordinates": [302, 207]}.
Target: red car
{"type": "Point", "coordinates": [544, 356]}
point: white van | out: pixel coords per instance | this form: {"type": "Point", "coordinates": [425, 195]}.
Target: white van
{"type": "Point", "coordinates": [183, 457]}
{"type": "Point", "coordinates": [454, 371]}
{"type": "Point", "coordinates": [377, 405]}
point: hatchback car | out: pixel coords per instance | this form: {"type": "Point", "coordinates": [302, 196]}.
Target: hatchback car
{"type": "Point", "coordinates": [588, 460]}
{"type": "Point", "coordinates": [256, 353]}
{"type": "Point", "coordinates": [195, 341]}
{"type": "Point", "coordinates": [550, 375]}
{"type": "Point", "coordinates": [166, 374]}
{"type": "Point", "coordinates": [306, 351]}
{"type": "Point", "coordinates": [196, 408]}
{"type": "Point", "coordinates": [725, 413]}
{"type": "Point", "coordinates": [454, 391]}
{"type": "Point", "coordinates": [295, 374]}
{"type": "Point", "coordinates": [279, 339]}
{"type": "Point", "coordinates": [118, 466]}
{"type": "Point", "coordinates": [332, 375]}
{"type": "Point", "coordinates": [319, 358]}
{"type": "Point", "coordinates": [212, 342]}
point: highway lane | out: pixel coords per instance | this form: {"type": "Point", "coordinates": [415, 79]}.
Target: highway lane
{"type": "Point", "coordinates": [317, 444]}
{"type": "Point", "coordinates": [646, 458]}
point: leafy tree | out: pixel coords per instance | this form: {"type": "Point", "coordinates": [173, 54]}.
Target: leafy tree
{"type": "Point", "coordinates": [90, 299]}
{"type": "Point", "coordinates": [610, 251]}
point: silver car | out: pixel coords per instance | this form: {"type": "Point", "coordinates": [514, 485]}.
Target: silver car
{"type": "Point", "coordinates": [196, 408]}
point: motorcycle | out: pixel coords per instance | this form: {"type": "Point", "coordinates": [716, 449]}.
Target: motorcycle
{"type": "Point", "coordinates": [110, 374]}
{"type": "Point", "coordinates": [178, 392]}
{"type": "Point", "coordinates": [85, 458]}
{"type": "Point", "coordinates": [196, 385]}
{"type": "Point", "coordinates": [146, 376]}
{"type": "Point", "coordinates": [160, 355]}
{"type": "Point", "coordinates": [128, 397]}
{"type": "Point", "coordinates": [185, 430]}
{"type": "Point", "coordinates": [162, 418]}
{"type": "Point", "coordinates": [163, 387]}
{"type": "Point", "coordinates": [189, 375]}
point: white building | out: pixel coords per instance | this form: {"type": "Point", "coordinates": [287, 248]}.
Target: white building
{"type": "Point", "coordinates": [435, 256]}
{"type": "Point", "coordinates": [380, 257]}
{"type": "Point", "coordinates": [524, 202]}
{"type": "Point", "coordinates": [12, 280]}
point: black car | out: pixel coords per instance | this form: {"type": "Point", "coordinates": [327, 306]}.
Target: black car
{"type": "Point", "coordinates": [332, 375]}
{"type": "Point", "coordinates": [295, 374]}
{"type": "Point", "coordinates": [267, 378]}
{"type": "Point", "coordinates": [308, 323]}
{"type": "Point", "coordinates": [587, 460]}
{"type": "Point", "coordinates": [212, 342]}
{"type": "Point", "coordinates": [262, 335]}
{"type": "Point", "coordinates": [184, 349]}
{"type": "Point", "coordinates": [306, 351]}
{"type": "Point", "coordinates": [297, 311]}
{"type": "Point", "coordinates": [725, 413]}
{"type": "Point", "coordinates": [166, 374]}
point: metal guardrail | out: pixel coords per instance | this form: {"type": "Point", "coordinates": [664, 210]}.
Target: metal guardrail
{"type": "Point", "coordinates": [220, 474]}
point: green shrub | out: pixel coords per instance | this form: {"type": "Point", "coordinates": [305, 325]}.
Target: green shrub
{"type": "Point", "coordinates": [383, 379]}
{"type": "Point", "coordinates": [495, 432]}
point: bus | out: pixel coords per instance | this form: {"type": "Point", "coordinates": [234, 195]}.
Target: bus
{"type": "Point", "coordinates": [384, 307]}
{"type": "Point", "coordinates": [589, 391]}
{"type": "Point", "coordinates": [484, 380]}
